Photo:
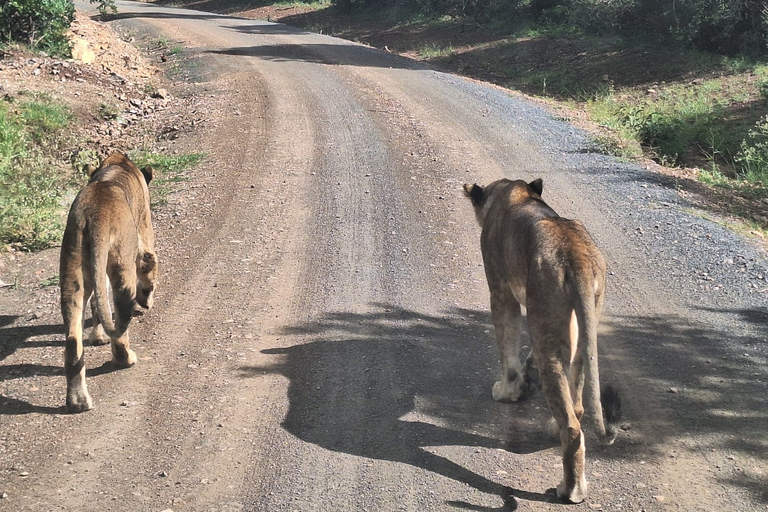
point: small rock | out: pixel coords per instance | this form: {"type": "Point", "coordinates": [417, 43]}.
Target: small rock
{"type": "Point", "coordinates": [3, 495]}
{"type": "Point", "coordinates": [81, 52]}
{"type": "Point", "coordinates": [673, 390]}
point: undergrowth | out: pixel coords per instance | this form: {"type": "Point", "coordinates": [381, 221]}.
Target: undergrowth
{"type": "Point", "coordinates": [37, 188]}
{"type": "Point", "coordinates": [33, 188]}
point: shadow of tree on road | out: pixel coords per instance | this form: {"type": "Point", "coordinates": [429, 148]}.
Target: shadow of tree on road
{"type": "Point", "coordinates": [702, 383]}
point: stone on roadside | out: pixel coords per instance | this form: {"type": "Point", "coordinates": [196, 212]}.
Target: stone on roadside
{"type": "Point", "coordinates": [81, 51]}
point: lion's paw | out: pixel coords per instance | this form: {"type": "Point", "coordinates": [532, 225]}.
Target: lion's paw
{"type": "Point", "coordinates": [130, 360]}
{"type": "Point", "coordinates": [79, 402]}
{"type": "Point", "coordinates": [575, 495]}
{"type": "Point", "coordinates": [507, 391]}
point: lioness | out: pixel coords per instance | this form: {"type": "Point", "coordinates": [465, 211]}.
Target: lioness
{"type": "Point", "coordinates": [108, 240]}
{"type": "Point", "coordinates": [551, 266]}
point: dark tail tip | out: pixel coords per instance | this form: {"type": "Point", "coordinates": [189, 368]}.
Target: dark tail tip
{"type": "Point", "coordinates": [612, 411]}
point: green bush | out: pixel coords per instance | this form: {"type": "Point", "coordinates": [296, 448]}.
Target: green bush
{"type": "Point", "coordinates": [40, 24]}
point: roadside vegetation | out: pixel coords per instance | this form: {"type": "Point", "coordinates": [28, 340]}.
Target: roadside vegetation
{"type": "Point", "coordinates": [683, 82]}
{"type": "Point", "coordinates": [37, 186]}
{"type": "Point", "coordinates": [42, 160]}
{"type": "Point", "coordinates": [33, 187]}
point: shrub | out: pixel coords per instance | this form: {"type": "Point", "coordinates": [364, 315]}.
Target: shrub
{"type": "Point", "coordinates": [753, 156]}
{"type": "Point", "coordinates": [40, 24]}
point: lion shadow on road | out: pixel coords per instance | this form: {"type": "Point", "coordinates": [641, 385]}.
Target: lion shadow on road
{"type": "Point", "coordinates": [392, 383]}
{"type": "Point", "coordinates": [15, 337]}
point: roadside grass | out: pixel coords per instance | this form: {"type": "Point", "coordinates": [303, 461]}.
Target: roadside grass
{"type": "Point", "coordinates": [33, 189]}
{"type": "Point", "coordinates": [434, 51]}
{"type": "Point", "coordinates": [37, 188]}
{"type": "Point", "coordinates": [169, 170]}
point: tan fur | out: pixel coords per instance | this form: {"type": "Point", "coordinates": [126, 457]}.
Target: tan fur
{"type": "Point", "coordinates": [551, 266]}
{"type": "Point", "coordinates": [108, 240]}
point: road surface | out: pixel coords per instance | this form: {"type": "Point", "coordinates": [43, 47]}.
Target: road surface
{"type": "Point", "coordinates": [321, 337]}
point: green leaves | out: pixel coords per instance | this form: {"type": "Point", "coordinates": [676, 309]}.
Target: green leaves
{"type": "Point", "coordinates": [40, 24]}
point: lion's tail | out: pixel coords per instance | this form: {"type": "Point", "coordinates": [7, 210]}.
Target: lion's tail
{"type": "Point", "coordinates": [124, 297]}
{"type": "Point", "coordinates": [604, 408]}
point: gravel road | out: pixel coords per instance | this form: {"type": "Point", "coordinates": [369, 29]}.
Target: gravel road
{"type": "Point", "coordinates": [321, 338]}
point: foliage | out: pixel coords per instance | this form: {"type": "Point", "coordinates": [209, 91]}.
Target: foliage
{"type": "Point", "coordinates": [670, 122]}
{"type": "Point", "coordinates": [753, 157]}
{"type": "Point", "coordinates": [40, 24]}
{"type": "Point", "coordinates": [43, 118]}
{"type": "Point", "coordinates": [32, 190]}
{"type": "Point", "coordinates": [105, 6]}
{"type": "Point", "coordinates": [723, 26]}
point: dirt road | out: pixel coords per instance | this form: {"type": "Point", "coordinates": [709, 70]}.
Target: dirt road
{"type": "Point", "coordinates": [321, 337]}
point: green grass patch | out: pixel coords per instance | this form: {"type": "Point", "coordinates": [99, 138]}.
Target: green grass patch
{"type": "Point", "coordinates": [44, 118]}
{"type": "Point", "coordinates": [33, 190]}
{"type": "Point", "coordinates": [36, 190]}
{"type": "Point", "coordinates": [432, 51]}
{"type": "Point", "coordinates": [169, 170]}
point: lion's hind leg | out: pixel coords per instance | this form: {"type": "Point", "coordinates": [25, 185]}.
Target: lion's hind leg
{"type": "Point", "coordinates": [72, 306]}
{"type": "Point", "coordinates": [573, 487]}
{"type": "Point", "coordinates": [507, 325]}
{"type": "Point", "coordinates": [552, 345]}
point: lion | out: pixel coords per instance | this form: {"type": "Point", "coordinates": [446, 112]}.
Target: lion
{"type": "Point", "coordinates": [551, 266]}
{"type": "Point", "coordinates": [108, 241]}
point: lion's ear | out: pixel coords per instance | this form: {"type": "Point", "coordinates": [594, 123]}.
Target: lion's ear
{"type": "Point", "coordinates": [475, 193]}
{"type": "Point", "coordinates": [148, 262]}
{"type": "Point", "coordinates": [147, 171]}
{"type": "Point", "coordinates": [537, 185]}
